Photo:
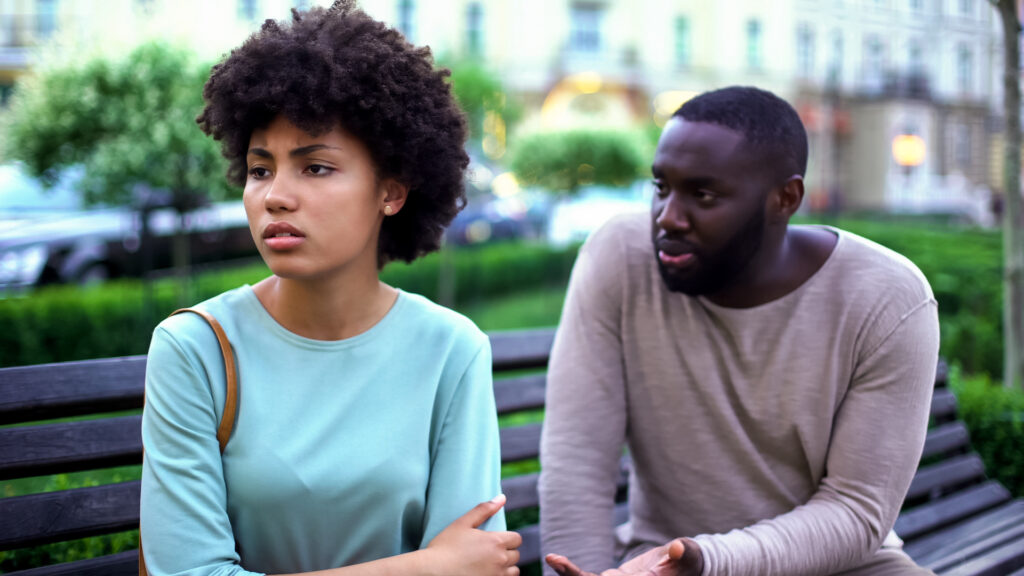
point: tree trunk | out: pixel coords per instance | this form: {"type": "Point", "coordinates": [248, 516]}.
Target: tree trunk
{"type": "Point", "coordinates": [1013, 250]}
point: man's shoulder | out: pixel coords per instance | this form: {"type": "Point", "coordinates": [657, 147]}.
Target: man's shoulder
{"type": "Point", "coordinates": [867, 266]}
{"type": "Point", "coordinates": [622, 234]}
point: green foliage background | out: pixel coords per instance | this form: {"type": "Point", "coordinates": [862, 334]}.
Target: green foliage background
{"type": "Point", "coordinates": [125, 121]}
{"type": "Point", "coordinates": [565, 160]}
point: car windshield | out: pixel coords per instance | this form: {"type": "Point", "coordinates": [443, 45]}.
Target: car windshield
{"type": "Point", "coordinates": [19, 192]}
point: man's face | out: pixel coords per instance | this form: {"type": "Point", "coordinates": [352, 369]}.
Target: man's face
{"type": "Point", "coordinates": [708, 212]}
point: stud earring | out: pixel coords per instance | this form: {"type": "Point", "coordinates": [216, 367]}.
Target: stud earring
{"type": "Point", "coordinates": [387, 210]}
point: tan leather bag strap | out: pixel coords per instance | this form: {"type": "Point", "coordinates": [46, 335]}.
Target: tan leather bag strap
{"type": "Point", "coordinates": [227, 420]}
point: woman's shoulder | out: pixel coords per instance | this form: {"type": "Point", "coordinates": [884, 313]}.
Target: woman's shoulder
{"type": "Point", "coordinates": [189, 330]}
{"type": "Point", "coordinates": [428, 321]}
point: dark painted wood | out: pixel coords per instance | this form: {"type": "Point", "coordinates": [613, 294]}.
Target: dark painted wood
{"type": "Point", "coordinates": [68, 514]}
{"type": "Point", "coordinates": [950, 509]}
{"type": "Point", "coordinates": [985, 531]}
{"type": "Point", "coordinates": [529, 551]}
{"type": "Point", "coordinates": [943, 405]}
{"type": "Point", "coordinates": [518, 394]}
{"type": "Point", "coordinates": [946, 438]}
{"type": "Point", "coordinates": [944, 476]}
{"type": "Point", "coordinates": [994, 562]}
{"type": "Point", "coordinates": [521, 348]}
{"type": "Point", "coordinates": [520, 442]}
{"type": "Point", "coordinates": [46, 391]}
{"type": "Point", "coordinates": [123, 564]}
{"type": "Point", "coordinates": [57, 448]}
{"type": "Point", "coordinates": [978, 526]}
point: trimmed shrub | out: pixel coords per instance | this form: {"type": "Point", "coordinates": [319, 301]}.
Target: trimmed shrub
{"type": "Point", "coordinates": [995, 418]}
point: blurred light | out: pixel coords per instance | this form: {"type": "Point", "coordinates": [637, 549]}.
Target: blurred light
{"type": "Point", "coordinates": [494, 135]}
{"type": "Point", "coordinates": [505, 185]}
{"type": "Point", "coordinates": [666, 103]}
{"type": "Point", "coordinates": [585, 82]}
{"type": "Point", "coordinates": [908, 150]}
{"type": "Point", "coordinates": [479, 231]}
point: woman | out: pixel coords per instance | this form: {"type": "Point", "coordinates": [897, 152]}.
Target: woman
{"type": "Point", "coordinates": [366, 436]}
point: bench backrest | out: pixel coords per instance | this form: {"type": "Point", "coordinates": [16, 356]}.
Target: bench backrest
{"type": "Point", "coordinates": [32, 394]}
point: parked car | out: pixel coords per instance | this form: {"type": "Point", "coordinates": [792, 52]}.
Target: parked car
{"type": "Point", "coordinates": [50, 236]}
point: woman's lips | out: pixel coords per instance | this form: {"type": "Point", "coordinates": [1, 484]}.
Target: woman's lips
{"type": "Point", "coordinates": [676, 260]}
{"type": "Point", "coordinates": [282, 236]}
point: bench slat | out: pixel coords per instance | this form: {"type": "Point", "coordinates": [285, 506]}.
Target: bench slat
{"type": "Point", "coordinates": [973, 546]}
{"type": "Point", "coordinates": [68, 514]}
{"type": "Point", "coordinates": [121, 564]}
{"type": "Point", "coordinates": [520, 442]}
{"type": "Point", "coordinates": [945, 439]}
{"type": "Point", "coordinates": [996, 562]}
{"type": "Point", "coordinates": [518, 349]}
{"type": "Point", "coordinates": [944, 511]}
{"type": "Point", "coordinates": [517, 394]}
{"type": "Point", "coordinates": [943, 405]}
{"type": "Point", "coordinates": [66, 389]}
{"type": "Point", "coordinates": [940, 542]}
{"type": "Point", "coordinates": [57, 448]}
{"type": "Point", "coordinates": [949, 473]}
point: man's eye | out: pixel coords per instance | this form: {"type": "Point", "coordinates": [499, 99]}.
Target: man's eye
{"type": "Point", "coordinates": [704, 196]}
{"type": "Point", "coordinates": [659, 188]}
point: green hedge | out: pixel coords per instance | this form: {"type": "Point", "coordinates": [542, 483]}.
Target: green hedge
{"type": "Point", "coordinates": [995, 418]}
{"type": "Point", "coordinates": [71, 323]}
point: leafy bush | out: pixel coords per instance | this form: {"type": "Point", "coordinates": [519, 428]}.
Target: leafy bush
{"type": "Point", "coordinates": [70, 323]}
{"type": "Point", "coordinates": [995, 418]}
{"type": "Point", "coordinates": [563, 161]}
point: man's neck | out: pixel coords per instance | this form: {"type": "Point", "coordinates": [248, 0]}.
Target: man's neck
{"type": "Point", "coordinates": [780, 267]}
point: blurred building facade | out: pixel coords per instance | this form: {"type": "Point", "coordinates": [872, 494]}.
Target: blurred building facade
{"type": "Point", "coordinates": [901, 97]}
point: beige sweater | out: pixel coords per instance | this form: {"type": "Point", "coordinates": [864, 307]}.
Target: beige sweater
{"type": "Point", "coordinates": [783, 437]}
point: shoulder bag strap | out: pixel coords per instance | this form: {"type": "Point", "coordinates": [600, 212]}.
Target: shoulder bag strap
{"type": "Point", "coordinates": [227, 420]}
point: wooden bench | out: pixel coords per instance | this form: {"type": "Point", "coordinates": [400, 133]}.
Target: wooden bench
{"type": "Point", "coordinates": [955, 521]}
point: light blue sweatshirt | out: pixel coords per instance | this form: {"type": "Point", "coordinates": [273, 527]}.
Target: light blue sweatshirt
{"type": "Point", "coordinates": [343, 452]}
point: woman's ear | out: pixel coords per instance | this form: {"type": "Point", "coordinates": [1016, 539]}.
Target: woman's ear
{"type": "Point", "coordinates": [394, 195]}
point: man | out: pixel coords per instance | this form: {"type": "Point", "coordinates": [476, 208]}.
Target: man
{"type": "Point", "coordinates": [771, 382]}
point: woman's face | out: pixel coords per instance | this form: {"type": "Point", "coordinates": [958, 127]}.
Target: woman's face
{"type": "Point", "coordinates": [314, 203]}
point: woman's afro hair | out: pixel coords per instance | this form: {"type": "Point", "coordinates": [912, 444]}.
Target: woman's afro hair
{"type": "Point", "coordinates": [338, 65]}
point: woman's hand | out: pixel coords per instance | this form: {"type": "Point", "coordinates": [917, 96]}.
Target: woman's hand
{"type": "Point", "coordinates": [462, 549]}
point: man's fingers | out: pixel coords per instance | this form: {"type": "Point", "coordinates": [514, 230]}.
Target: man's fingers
{"type": "Point", "coordinates": [481, 512]}
{"type": "Point", "coordinates": [676, 549]}
{"type": "Point", "coordinates": [562, 565]}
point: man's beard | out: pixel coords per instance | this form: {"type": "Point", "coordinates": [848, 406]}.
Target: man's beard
{"type": "Point", "coordinates": [713, 272]}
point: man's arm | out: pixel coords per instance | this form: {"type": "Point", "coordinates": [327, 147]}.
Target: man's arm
{"type": "Point", "coordinates": [876, 443]}
{"type": "Point", "coordinates": [585, 418]}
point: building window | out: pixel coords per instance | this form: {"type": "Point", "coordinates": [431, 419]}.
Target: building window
{"type": "Point", "coordinates": [915, 60]}
{"type": "Point", "coordinates": [962, 145]}
{"type": "Point", "coordinates": [805, 50]}
{"type": "Point", "coordinates": [585, 27]}
{"type": "Point", "coordinates": [475, 29]}
{"type": "Point", "coordinates": [247, 9]}
{"type": "Point", "coordinates": [916, 5]}
{"type": "Point", "coordinates": [966, 7]}
{"type": "Point", "coordinates": [407, 19]}
{"type": "Point", "coordinates": [46, 18]}
{"type": "Point", "coordinates": [682, 41]}
{"type": "Point", "coordinates": [754, 44]}
{"type": "Point", "coordinates": [835, 67]}
{"type": "Point", "coordinates": [964, 69]}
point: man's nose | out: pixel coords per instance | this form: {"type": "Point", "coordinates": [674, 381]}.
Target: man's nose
{"type": "Point", "coordinates": [674, 215]}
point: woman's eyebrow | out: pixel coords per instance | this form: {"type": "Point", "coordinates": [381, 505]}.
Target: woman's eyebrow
{"type": "Point", "coordinates": [306, 150]}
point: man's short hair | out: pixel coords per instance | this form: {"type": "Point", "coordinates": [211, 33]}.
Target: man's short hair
{"type": "Point", "coordinates": [768, 123]}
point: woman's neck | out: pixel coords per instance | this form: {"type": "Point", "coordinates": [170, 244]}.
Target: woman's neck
{"type": "Point", "coordinates": [327, 309]}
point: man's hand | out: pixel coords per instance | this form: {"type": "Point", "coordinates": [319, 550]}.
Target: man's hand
{"type": "Point", "coordinates": [680, 557]}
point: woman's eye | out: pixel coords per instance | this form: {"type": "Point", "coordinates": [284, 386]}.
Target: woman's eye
{"type": "Point", "coordinates": [258, 172]}
{"type": "Point", "coordinates": [318, 170]}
